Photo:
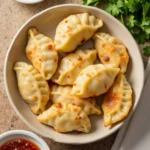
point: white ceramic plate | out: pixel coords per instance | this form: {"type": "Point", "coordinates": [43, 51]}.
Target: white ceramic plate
{"type": "Point", "coordinates": [46, 22]}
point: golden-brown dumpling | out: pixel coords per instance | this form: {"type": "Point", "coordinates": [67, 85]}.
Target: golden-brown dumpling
{"type": "Point", "coordinates": [41, 52]}
{"type": "Point", "coordinates": [65, 117]}
{"type": "Point", "coordinates": [63, 94]}
{"type": "Point", "coordinates": [71, 65]}
{"type": "Point", "coordinates": [75, 30]}
{"type": "Point", "coordinates": [32, 86]}
{"type": "Point", "coordinates": [111, 51]}
{"type": "Point", "coordinates": [118, 101]}
{"type": "Point", "coordinates": [94, 80]}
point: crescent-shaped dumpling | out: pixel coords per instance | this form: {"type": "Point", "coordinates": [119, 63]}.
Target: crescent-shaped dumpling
{"type": "Point", "coordinates": [111, 51]}
{"type": "Point", "coordinates": [75, 30]}
{"type": "Point", "coordinates": [66, 117]}
{"type": "Point", "coordinates": [71, 65]}
{"type": "Point", "coordinates": [32, 87]}
{"type": "Point", "coordinates": [94, 80]}
{"type": "Point", "coordinates": [41, 52]}
{"type": "Point", "coordinates": [117, 101]}
{"type": "Point", "coordinates": [63, 94]}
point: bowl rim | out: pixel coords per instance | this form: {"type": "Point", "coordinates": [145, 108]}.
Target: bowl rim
{"type": "Point", "coordinates": [27, 133]}
{"type": "Point", "coordinates": [29, 2]}
{"type": "Point", "coordinates": [6, 83]}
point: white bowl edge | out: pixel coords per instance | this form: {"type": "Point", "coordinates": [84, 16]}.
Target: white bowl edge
{"type": "Point", "coordinates": [10, 135]}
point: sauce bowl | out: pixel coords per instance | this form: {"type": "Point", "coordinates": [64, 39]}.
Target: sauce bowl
{"type": "Point", "coordinates": [21, 134]}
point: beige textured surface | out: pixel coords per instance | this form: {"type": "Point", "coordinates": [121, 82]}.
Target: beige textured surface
{"type": "Point", "coordinates": [13, 15]}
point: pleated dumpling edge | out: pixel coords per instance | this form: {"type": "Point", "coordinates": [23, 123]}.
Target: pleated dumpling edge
{"type": "Point", "coordinates": [65, 117]}
{"type": "Point", "coordinates": [72, 64]}
{"type": "Point", "coordinates": [63, 94]}
{"type": "Point", "coordinates": [111, 51]}
{"type": "Point", "coordinates": [94, 80]}
{"type": "Point", "coordinates": [32, 87]}
{"type": "Point", "coordinates": [117, 101]}
{"type": "Point", "coordinates": [75, 30]}
{"type": "Point", "coordinates": [41, 52]}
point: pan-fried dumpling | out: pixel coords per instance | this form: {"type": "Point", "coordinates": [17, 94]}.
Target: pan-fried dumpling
{"type": "Point", "coordinates": [65, 117]}
{"type": "Point", "coordinates": [111, 51]}
{"type": "Point", "coordinates": [75, 30]}
{"type": "Point", "coordinates": [63, 94]}
{"type": "Point", "coordinates": [32, 86]}
{"type": "Point", "coordinates": [41, 52]}
{"type": "Point", "coordinates": [117, 101]}
{"type": "Point", "coordinates": [94, 80]}
{"type": "Point", "coordinates": [71, 65]}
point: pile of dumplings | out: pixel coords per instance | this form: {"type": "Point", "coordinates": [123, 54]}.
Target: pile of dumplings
{"type": "Point", "coordinates": [74, 82]}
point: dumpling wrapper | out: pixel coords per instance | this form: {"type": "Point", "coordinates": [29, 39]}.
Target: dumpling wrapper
{"type": "Point", "coordinates": [71, 65]}
{"type": "Point", "coordinates": [117, 101]}
{"type": "Point", "coordinates": [65, 117]}
{"type": "Point", "coordinates": [63, 94]}
{"type": "Point", "coordinates": [75, 30]}
{"type": "Point", "coordinates": [32, 87]}
{"type": "Point", "coordinates": [111, 51]}
{"type": "Point", "coordinates": [94, 80]}
{"type": "Point", "coordinates": [41, 52]}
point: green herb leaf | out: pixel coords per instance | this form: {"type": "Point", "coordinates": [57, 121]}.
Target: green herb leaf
{"type": "Point", "coordinates": [145, 7]}
{"type": "Point", "coordinates": [113, 9]}
{"type": "Point", "coordinates": [131, 22]}
{"type": "Point", "coordinates": [133, 5]}
{"type": "Point", "coordinates": [120, 4]}
{"type": "Point", "coordinates": [146, 51]}
{"type": "Point", "coordinates": [122, 19]}
{"type": "Point", "coordinates": [145, 22]}
{"type": "Point", "coordinates": [147, 30]}
{"type": "Point", "coordinates": [91, 2]}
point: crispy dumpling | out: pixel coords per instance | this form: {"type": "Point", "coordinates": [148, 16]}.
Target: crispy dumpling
{"type": "Point", "coordinates": [75, 30]}
{"type": "Point", "coordinates": [32, 87]}
{"type": "Point", "coordinates": [111, 51]}
{"type": "Point", "coordinates": [65, 117]}
{"type": "Point", "coordinates": [63, 94]}
{"type": "Point", "coordinates": [71, 65]}
{"type": "Point", "coordinates": [94, 80]}
{"type": "Point", "coordinates": [117, 101]}
{"type": "Point", "coordinates": [41, 52]}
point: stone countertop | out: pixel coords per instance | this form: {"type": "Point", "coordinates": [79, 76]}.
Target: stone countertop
{"type": "Point", "coordinates": [13, 15]}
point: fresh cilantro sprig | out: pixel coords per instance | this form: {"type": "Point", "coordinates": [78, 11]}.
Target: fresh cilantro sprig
{"type": "Point", "coordinates": [134, 14]}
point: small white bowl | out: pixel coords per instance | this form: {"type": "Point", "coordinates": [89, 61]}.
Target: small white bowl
{"type": "Point", "coordinates": [46, 21]}
{"type": "Point", "coordinates": [21, 134]}
{"type": "Point", "coordinates": [29, 1]}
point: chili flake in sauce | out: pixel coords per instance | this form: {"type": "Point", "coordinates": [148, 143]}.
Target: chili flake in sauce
{"type": "Point", "coordinates": [19, 144]}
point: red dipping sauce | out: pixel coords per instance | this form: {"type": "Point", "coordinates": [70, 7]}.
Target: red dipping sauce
{"type": "Point", "coordinates": [19, 144]}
